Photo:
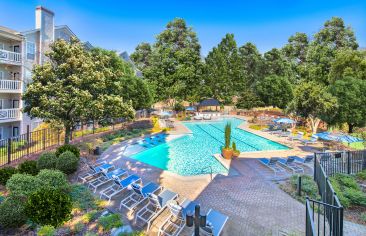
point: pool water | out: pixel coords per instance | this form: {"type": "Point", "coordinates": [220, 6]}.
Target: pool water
{"type": "Point", "coordinates": [192, 154]}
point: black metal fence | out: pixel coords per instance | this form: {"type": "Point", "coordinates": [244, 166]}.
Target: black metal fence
{"type": "Point", "coordinates": [323, 218]}
{"type": "Point", "coordinates": [347, 162]}
{"type": "Point", "coordinates": [18, 147]}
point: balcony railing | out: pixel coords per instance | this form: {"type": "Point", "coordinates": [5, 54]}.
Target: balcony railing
{"type": "Point", "coordinates": [10, 114]}
{"type": "Point", "coordinates": [13, 57]}
{"type": "Point", "coordinates": [10, 85]}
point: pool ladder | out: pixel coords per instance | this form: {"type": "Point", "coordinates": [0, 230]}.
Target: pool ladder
{"type": "Point", "coordinates": [208, 167]}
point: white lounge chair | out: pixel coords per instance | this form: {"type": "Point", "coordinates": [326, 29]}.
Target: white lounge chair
{"type": "Point", "coordinates": [139, 194]}
{"type": "Point", "coordinates": [156, 204]}
{"type": "Point", "coordinates": [118, 186]}
{"type": "Point", "coordinates": [272, 164]}
{"type": "Point", "coordinates": [289, 163]}
{"type": "Point", "coordinates": [215, 223]}
{"type": "Point", "coordinates": [299, 136]}
{"type": "Point", "coordinates": [105, 178]}
{"type": "Point", "coordinates": [312, 140]}
{"type": "Point", "coordinates": [94, 171]}
{"type": "Point", "coordinates": [176, 221]}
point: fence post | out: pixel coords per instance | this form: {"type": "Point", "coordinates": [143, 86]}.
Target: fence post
{"type": "Point", "coordinates": [314, 165]}
{"type": "Point", "coordinates": [44, 139]}
{"type": "Point", "coordinates": [299, 185]}
{"type": "Point", "coordinates": [348, 162]}
{"type": "Point", "coordinates": [9, 150]}
{"type": "Point", "coordinates": [28, 140]}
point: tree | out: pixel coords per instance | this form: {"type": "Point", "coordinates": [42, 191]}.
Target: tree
{"type": "Point", "coordinates": [251, 64]}
{"type": "Point", "coordinates": [137, 91]}
{"type": "Point", "coordinates": [350, 93]}
{"type": "Point", "coordinates": [248, 100]}
{"type": "Point", "coordinates": [312, 101]}
{"type": "Point", "coordinates": [141, 56]}
{"type": "Point", "coordinates": [222, 70]}
{"type": "Point", "coordinates": [296, 48]}
{"type": "Point", "coordinates": [274, 91]}
{"type": "Point", "coordinates": [71, 87]}
{"type": "Point", "coordinates": [174, 66]}
{"type": "Point", "coordinates": [275, 63]}
{"type": "Point", "coordinates": [322, 50]}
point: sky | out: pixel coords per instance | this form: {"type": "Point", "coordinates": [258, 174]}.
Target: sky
{"type": "Point", "coordinates": [121, 25]}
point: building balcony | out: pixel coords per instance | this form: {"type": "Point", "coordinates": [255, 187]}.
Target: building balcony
{"type": "Point", "coordinates": [8, 57]}
{"type": "Point", "coordinates": [8, 115]}
{"type": "Point", "coordinates": [10, 86]}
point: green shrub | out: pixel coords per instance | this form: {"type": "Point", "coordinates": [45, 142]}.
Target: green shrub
{"type": "Point", "coordinates": [347, 181]}
{"type": "Point", "coordinates": [308, 185]}
{"type": "Point", "coordinates": [68, 147]}
{"type": "Point", "coordinates": [6, 173]}
{"type": "Point", "coordinates": [227, 135]}
{"type": "Point", "coordinates": [67, 162]}
{"type": "Point", "coordinates": [90, 216]}
{"type": "Point", "coordinates": [363, 217]}
{"type": "Point", "coordinates": [109, 222]}
{"type": "Point", "coordinates": [49, 206]}
{"type": "Point", "coordinates": [90, 234]}
{"type": "Point", "coordinates": [337, 188]}
{"type": "Point", "coordinates": [136, 233]}
{"type": "Point", "coordinates": [361, 175]}
{"type": "Point", "coordinates": [46, 230]}
{"type": "Point", "coordinates": [82, 198]}
{"type": "Point", "coordinates": [356, 197]}
{"type": "Point", "coordinates": [47, 160]}
{"type": "Point", "coordinates": [78, 227]}
{"type": "Point", "coordinates": [28, 167]}
{"type": "Point", "coordinates": [53, 178]}
{"type": "Point", "coordinates": [23, 184]}
{"type": "Point", "coordinates": [13, 212]}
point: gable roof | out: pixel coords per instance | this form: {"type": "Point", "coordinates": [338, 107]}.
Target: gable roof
{"type": "Point", "coordinates": [209, 102]}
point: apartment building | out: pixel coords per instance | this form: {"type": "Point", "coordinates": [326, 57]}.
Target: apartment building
{"type": "Point", "coordinates": [19, 52]}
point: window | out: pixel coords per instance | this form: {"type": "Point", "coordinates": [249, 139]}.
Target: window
{"type": "Point", "coordinates": [1, 133]}
{"type": "Point", "coordinates": [31, 50]}
{"type": "Point", "coordinates": [1, 46]}
{"type": "Point", "coordinates": [1, 74]}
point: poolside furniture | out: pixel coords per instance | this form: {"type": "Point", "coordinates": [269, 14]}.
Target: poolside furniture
{"type": "Point", "coordinates": [118, 186]}
{"type": "Point", "coordinates": [139, 194]}
{"type": "Point", "coordinates": [312, 140]}
{"type": "Point", "coordinates": [156, 204]}
{"type": "Point", "coordinates": [290, 163]}
{"type": "Point", "coordinates": [284, 134]}
{"type": "Point", "coordinates": [176, 220]}
{"type": "Point", "coordinates": [298, 136]}
{"type": "Point", "coordinates": [272, 164]}
{"type": "Point", "coordinates": [308, 159]}
{"type": "Point", "coordinates": [94, 171]}
{"type": "Point", "coordinates": [105, 178]}
{"type": "Point", "coordinates": [207, 117]}
{"type": "Point", "coordinates": [215, 223]}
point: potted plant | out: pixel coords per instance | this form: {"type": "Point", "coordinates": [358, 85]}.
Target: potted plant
{"type": "Point", "coordinates": [227, 152]}
{"type": "Point", "coordinates": [236, 152]}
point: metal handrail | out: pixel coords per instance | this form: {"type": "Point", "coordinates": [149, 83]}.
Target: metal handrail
{"type": "Point", "coordinates": [208, 167]}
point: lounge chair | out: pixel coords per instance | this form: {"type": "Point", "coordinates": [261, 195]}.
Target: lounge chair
{"type": "Point", "coordinates": [94, 171]}
{"type": "Point", "coordinates": [118, 186]}
{"type": "Point", "coordinates": [156, 204]}
{"type": "Point", "coordinates": [215, 223]}
{"type": "Point", "coordinates": [289, 163]}
{"type": "Point", "coordinates": [272, 164]}
{"type": "Point", "coordinates": [105, 178]}
{"type": "Point", "coordinates": [297, 137]}
{"type": "Point", "coordinates": [176, 221]}
{"type": "Point", "coordinates": [305, 161]}
{"type": "Point", "coordinates": [312, 140]}
{"type": "Point", "coordinates": [139, 194]}
{"type": "Point", "coordinates": [284, 134]}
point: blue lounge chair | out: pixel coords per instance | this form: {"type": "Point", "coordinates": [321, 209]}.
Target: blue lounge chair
{"type": "Point", "coordinates": [305, 161]}
{"type": "Point", "coordinates": [272, 164]}
{"type": "Point", "coordinates": [156, 205]}
{"type": "Point", "coordinates": [176, 221]}
{"type": "Point", "coordinates": [290, 163]}
{"type": "Point", "coordinates": [119, 186]}
{"type": "Point", "coordinates": [139, 194]}
{"type": "Point", "coordinates": [105, 178]}
{"type": "Point", "coordinates": [94, 171]}
{"type": "Point", "coordinates": [215, 223]}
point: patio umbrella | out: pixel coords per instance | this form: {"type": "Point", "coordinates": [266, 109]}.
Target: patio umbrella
{"type": "Point", "coordinates": [284, 121]}
{"type": "Point", "coordinates": [326, 136]}
{"type": "Point", "coordinates": [165, 114]}
{"type": "Point", "coordinates": [190, 109]}
{"type": "Point", "coordinates": [345, 138]}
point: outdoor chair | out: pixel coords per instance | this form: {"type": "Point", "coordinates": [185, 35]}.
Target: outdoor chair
{"type": "Point", "coordinates": [289, 163]}
{"type": "Point", "coordinates": [118, 186]}
{"type": "Point", "coordinates": [299, 136]}
{"type": "Point", "coordinates": [156, 205]}
{"type": "Point", "coordinates": [176, 220]}
{"type": "Point", "coordinates": [94, 171]}
{"type": "Point", "coordinates": [305, 161]}
{"type": "Point", "coordinates": [215, 223]}
{"type": "Point", "coordinates": [139, 194]}
{"type": "Point", "coordinates": [272, 164]}
{"type": "Point", "coordinates": [105, 178]}
{"type": "Point", "coordinates": [312, 140]}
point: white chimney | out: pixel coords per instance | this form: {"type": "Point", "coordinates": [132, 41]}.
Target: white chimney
{"type": "Point", "coordinates": [46, 25]}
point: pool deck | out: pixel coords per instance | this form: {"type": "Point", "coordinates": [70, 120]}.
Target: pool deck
{"type": "Point", "coordinates": [249, 195]}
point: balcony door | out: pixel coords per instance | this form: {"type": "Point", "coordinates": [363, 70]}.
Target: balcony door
{"type": "Point", "coordinates": [16, 48]}
{"type": "Point", "coordinates": [15, 103]}
{"type": "Point", "coordinates": [15, 131]}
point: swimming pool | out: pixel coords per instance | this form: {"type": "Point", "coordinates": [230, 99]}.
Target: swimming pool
{"type": "Point", "coordinates": [192, 154]}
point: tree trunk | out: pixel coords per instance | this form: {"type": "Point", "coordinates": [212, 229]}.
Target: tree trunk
{"type": "Point", "coordinates": [314, 122]}
{"type": "Point", "coordinates": [67, 134]}
{"type": "Point", "coordinates": [350, 128]}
